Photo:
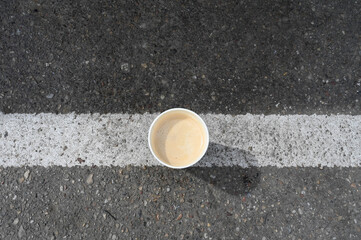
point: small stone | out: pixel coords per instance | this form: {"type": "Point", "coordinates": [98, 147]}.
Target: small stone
{"type": "Point", "coordinates": [168, 189]}
{"type": "Point", "coordinates": [21, 232]}
{"type": "Point", "coordinates": [162, 97]}
{"type": "Point", "coordinates": [89, 179]}
{"type": "Point", "coordinates": [179, 217]}
{"type": "Point", "coordinates": [16, 221]}
{"type": "Point", "coordinates": [50, 96]}
{"type": "Point", "coordinates": [144, 65]}
{"type": "Point", "coordinates": [124, 67]}
{"type": "Point", "coordinates": [114, 237]}
{"type": "Point", "coordinates": [264, 238]}
{"type": "Point", "coordinates": [300, 211]}
{"type": "Point", "coordinates": [21, 180]}
{"type": "Point", "coordinates": [353, 185]}
{"type": "Point", "coordinates": [26, 174]}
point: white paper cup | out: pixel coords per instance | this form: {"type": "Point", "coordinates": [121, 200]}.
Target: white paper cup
{"type": "Point", "coordinates": [198, 118]}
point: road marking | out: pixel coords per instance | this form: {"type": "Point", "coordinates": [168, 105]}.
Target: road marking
{"type": "Point", "coordinates": [121, 139]}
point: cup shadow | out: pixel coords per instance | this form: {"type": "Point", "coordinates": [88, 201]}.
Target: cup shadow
{"type": "Point", "coordinates": [236, 180]}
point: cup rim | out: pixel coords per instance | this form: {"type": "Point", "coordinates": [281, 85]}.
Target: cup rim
{"type": "Point", "coordinates": [191, 112]}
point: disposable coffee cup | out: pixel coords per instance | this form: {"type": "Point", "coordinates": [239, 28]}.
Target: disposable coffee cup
{"type": "Point", "coordinates": [178, 138]}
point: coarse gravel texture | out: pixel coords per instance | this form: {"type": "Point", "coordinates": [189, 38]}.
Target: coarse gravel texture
{"type": "Point", "coordinates": [286, 57]}
{"type": "Point", "coordinates": [230, 57]}
{"type": "Point", "coordinates": [196, 203]}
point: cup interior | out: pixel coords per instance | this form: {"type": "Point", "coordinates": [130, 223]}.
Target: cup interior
{"type": "Point", "coordinates": [178, 138]}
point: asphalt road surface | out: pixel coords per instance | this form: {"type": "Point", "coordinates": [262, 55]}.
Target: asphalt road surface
{"type": "Point", "coordinates": [243, 65]}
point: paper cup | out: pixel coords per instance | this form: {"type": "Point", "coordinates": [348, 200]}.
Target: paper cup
{"type": "Point", "coordinates": [161, 118]}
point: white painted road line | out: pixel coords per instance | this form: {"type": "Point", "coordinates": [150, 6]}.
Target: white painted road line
{"type": "Point", "coordinates": [121, 139]}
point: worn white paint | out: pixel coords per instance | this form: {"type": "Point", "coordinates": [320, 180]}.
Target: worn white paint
{"type": "Point", "coordinates": [121, 139]}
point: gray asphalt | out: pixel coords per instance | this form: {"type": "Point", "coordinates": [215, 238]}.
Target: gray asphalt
{"type": "Point", "coordinates": [236, 57]}
{"type": "Point", "coordinates": [197, 203]}
{"type": "Point", "coordinates": [233, 57]}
